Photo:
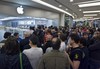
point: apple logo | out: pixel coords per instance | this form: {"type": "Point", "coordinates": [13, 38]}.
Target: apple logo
{"type": "Point", "coordinates": [20, 10]}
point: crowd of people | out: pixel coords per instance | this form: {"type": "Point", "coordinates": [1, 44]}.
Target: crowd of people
{"type": "Point", "coordinates": [52, 48]}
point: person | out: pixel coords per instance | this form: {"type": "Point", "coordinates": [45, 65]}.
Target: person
{"type": "Point", "coordinates": [3, 61]}
{"type": "Point", "coordinates": [85, 39]}
{"type": "Point", "coordinates": [94, 38]}
{"type": "Point", "coordinates": [6, 35]}
{"type": "Point", "coordinates": [54, 59]}
{"type": "Point", "coordinates": [47, 35]}
{"type": "Point", "coordinates": [47, 45]}
{"type": "Point", "coordinates": [63, 45]}
{"type": "Point", "coordinates": [95, 53]}
{"type": "Point", "coordinates": [76, 53]}
{"type": "Point", "coordinates": [86, 57]}
{"type": "Point", "coordinates": [34, 54]}
{"type": "Point", "coordinates": [17, 37]}
{"type": "Point", "coordinates": [12, 52]}
{"type": "Point", "coordinates": [24, 44]}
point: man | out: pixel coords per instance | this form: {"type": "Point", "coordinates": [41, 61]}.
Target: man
{"type": "Point", "coordinates": [54, 59]}
{"type": "Point", "coordinates": [34, 54]}
{"type": "Point", "coordinates": [17, 37]}
{"type": "Point", "coordinates": [76, 53]}
{"type": "Point", "coordinates": [95, 53]}
{"type": "Point", "coordinates": [85, 39]}
{"type": "Point", "coordinates": [24, 44]}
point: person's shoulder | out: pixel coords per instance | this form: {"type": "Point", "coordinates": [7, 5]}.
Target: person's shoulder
{"type": "Point", "coordinates": [77, 50]}
{"type": "Point", "coordinates": [39, 49]}
{"type": "Point", "coordinates": [47, 54]}
{"type": "Point", "coordinates": [26, 51]}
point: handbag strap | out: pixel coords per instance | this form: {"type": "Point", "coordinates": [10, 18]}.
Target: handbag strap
{"type": "Point", "coordinates": [21, 66]}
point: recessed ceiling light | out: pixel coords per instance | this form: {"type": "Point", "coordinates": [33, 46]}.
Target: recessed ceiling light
{"type": "Point", "coordinates": [71, 0]}
{"type": "Point", "coordinates": [89, 4]}
{"type": "Point", "coordinates": [60, 5]}
{"type": "Point", "coordinates": [66, 9]}
{"type": "Point", "coordinates": [90, 15]}
{"type": "Point", "coordinates": [80, 9]}
{"type": "Point", "coordinates": [91, 11]}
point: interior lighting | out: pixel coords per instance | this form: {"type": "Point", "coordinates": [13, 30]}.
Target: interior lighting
{"type": "Point", "coordinates": [91, 15]}
{"type": "Point", "coordinates": [91, 11]}
{"type": "Point", "coordinates": [89, 4]}
{"type": "Point", "coordinates": [53, 7]}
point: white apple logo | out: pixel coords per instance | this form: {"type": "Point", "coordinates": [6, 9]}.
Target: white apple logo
{"type": "Point", "coordinates": [20, 10]}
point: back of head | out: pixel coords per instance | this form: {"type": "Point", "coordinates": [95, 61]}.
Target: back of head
{"type": "Point", "coordinates": [56, 43]}
{"type": "Point", "coordinates": [15, 34]}
{"type": "Point", "coordinates": [63, 37]}
{"type": "Point", "coordinates": [34, 39]}
{"type": "Point", "coordinates": [7, 34]}
{"type": "Point", "coordinates": [75, 37]}
{"type": "Point", "coordinates": [27, 34]}
{"type": "Point", "coordinates": [11, 46]}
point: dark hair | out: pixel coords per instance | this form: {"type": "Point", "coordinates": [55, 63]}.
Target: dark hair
{"type": "Point", "coordinates": [11, 46]}
{"type": "Point", "coordinates": [34, 39]}
{"type": "Point", "coordinates": [82, 42]}
{"type": "Point", "coordinates": [31, 28]}
{"type": "Point", "coordinates": [48, 31]}
{"type": "Point", "coordinates": [7, 34]}
{"type": "Point", "coordinates": [56, 44]}
{"type": "Point", "coordinates": [75, 37]}
{"type": "Point", "coordinates": [63, 37]}
{"type": "Point", "coordinates": [15, 34]}
{"type": "Point", "coordinates": [85, 33]}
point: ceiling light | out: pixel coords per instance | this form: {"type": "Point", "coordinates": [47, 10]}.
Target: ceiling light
{"type": "Point", "coordinates": [96, 18]}
{"type": "Point", "coordinates": [89, 4]}
{"type": "Point", "coordinates": [91, 11]}
{"type": "Point", "coordinates": [66, 9]}
{"type": "Point", "coordinates": [71, 0]}
{"type": "Point", "coordinates": [51, 6]}
{"type": "Point", "coordinates": [93, 1]}
{"type": "Point", "coordinates": [80, 9]}
{"type": "Point", "coordinates": [20, 10]}
{"type": "Point", "coordinates": [90, 15]}
{"type": "Point", "coordinates": [60, 5]}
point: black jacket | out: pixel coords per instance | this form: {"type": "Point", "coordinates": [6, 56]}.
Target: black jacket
{"type": "Point", "coordinates": [24, 42]}
{"type": "Point", "coordinates": [3, 62]}
{"type": "Point", "coordinates": [13, 62]}
{"type": "Point", "coordinates": [95, 51]}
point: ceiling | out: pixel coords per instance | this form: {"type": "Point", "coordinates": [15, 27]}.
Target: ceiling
{"type": "Point", "coordinates": [72, 7]}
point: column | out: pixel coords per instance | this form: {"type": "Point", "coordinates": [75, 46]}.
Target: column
{"type": "Point", "coordinates": [70, 21]}
{"type": "Point", "coordinates": [62, 19]}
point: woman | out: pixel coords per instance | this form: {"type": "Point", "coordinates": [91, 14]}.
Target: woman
{"type": "Point", "coordinates": [13, 58]}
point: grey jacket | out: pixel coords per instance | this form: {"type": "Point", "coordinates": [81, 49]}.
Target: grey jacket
{"type": "Point", "coordinates": [54, 60]}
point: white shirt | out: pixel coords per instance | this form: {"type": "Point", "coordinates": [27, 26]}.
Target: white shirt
{"type": "Point", "coordinates": [49, 49]}
{"type": "Point", "coordinates": [62, 47]}
{"type": "Point", "coordinates": [34, 55]}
